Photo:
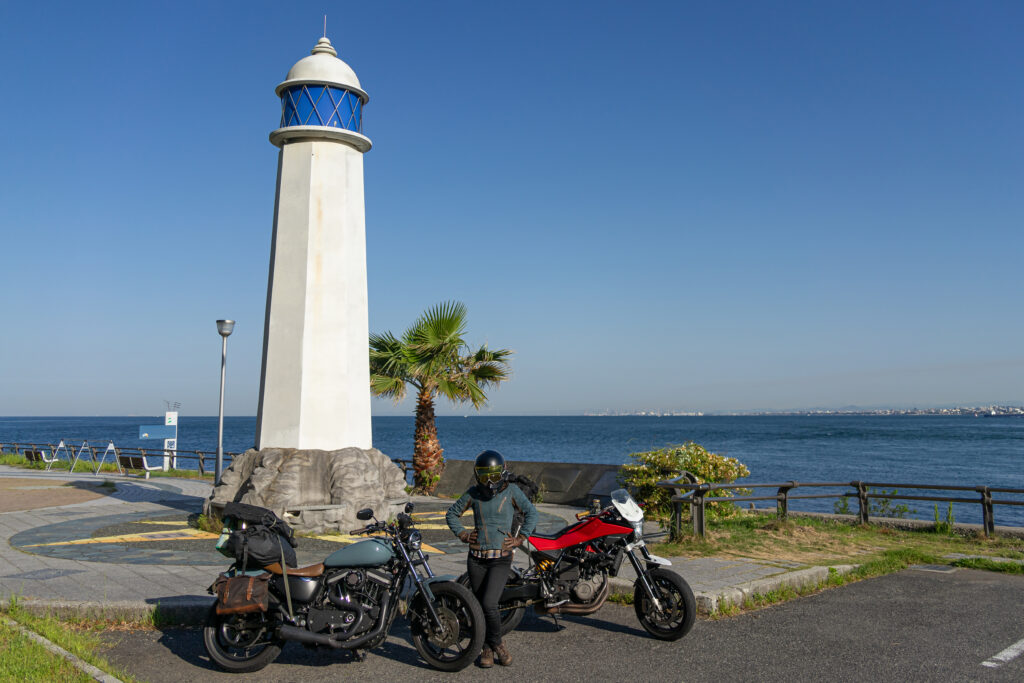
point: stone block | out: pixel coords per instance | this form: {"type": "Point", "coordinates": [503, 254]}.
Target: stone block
{"type": "Point", "coordinates": [339, 483]}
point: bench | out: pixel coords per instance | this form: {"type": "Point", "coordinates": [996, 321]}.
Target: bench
{"type": "Point", "coordinates": [36, 455]}
{"type": "Point", "coordinates": [137, 462]}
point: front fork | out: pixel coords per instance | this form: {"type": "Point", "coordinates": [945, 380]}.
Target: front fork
{"type": "Point", "coordinates": [641, 572]}
{"type": "Point", "coordinates": [423, 587]}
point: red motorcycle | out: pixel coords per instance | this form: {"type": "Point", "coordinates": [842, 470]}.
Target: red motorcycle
{"type": "Point", "coordinates": [569, 570]}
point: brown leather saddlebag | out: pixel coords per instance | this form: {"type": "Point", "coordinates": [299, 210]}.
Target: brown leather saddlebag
{"type": "Point", "coordinates": [240, 594]}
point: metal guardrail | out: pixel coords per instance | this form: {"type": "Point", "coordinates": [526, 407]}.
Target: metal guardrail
{"type": "Point", "coordinates": [94, 452]}
{"type": "Point", "coordinates": [698, 498]}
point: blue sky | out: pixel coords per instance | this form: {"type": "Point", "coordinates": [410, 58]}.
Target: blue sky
{"type": "Point", "coordinates": [677, 206]}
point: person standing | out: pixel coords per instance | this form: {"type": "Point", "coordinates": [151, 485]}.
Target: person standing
{"type": "Point", "coordinates": [491, 542]}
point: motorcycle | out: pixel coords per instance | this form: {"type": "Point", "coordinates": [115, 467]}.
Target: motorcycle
{"type": "Point", "coordinates": [568, 573]}
{"type": "Point", "coordinates": [349, 602]}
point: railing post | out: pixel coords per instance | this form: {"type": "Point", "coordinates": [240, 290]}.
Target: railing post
{"type": "Point", "coordinates": [697, 512]}
{"type": "Point", "coordinates": [987, 514]}
{"type": "Point", "coordinates": [862, 501]}
{"type": "Point", "coordinates": [200, 455]}
{"type": "Point", "coordinates": [677, 517]}
{"type": "Point", "coordinates": [782, 501]}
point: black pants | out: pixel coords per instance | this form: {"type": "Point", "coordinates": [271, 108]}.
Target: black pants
{"type": "Point", "coordinates": [488, 577]}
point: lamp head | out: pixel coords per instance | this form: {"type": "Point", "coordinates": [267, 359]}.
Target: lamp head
{"type": "Point", "coordinates": [225, 327]}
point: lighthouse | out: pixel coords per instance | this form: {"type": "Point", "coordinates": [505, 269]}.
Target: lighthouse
{"type": "Point", "coordinates": [315, 378]}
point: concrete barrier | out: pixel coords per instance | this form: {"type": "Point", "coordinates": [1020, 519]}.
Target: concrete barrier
{"type": "Point", "coordinates": [563, 483]}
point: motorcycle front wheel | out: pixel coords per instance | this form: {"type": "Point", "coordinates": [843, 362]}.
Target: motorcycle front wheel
{"type": "Point", "coordinates": [458, 641]}
{"type": "Point", "coordinates": [678, 607]}
{"type": "Point", "coordinates": [240, 643]}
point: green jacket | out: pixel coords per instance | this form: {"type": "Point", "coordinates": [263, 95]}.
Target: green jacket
{"type": "Point", "coordinates": [492, 517]}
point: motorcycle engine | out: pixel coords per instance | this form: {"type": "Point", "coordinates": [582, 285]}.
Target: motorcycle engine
{"type": "Point", "coordinates": [586, 589]}
{"type": "Point", "coordinates": [351, 604]}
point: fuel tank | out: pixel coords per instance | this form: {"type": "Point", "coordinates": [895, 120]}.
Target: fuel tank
{"type": "Point", "coordinates": [372, 552]}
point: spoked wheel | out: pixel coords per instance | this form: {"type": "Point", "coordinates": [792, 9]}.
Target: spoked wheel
{"type": "Point", "coordinates": [678, 608]}
{"type": "Point", "coordinates": [456, 644]}
{"type": "Point", "coordinates": [240, 643]}
{"type": "Point", "coordinates": [510, 616]}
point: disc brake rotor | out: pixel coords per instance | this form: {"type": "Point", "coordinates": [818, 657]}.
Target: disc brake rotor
{"type": "Point", "coordinates": [448, 635]}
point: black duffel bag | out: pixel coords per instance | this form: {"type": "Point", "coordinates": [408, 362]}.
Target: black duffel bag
{"type": "Point", "coordinates": [265, 540]}
{"type": "Point", "coordinates": [259, 546]}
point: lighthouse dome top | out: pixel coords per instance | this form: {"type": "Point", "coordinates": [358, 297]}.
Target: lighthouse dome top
{"type": "Point", "coordinates": [322, 66]}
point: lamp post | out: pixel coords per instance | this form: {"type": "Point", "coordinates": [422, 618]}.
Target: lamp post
{"type": "Point", "coordinates": [224, 327]}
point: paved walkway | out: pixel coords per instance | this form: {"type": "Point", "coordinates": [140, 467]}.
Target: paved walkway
{"type": "Point", "coordinates": [49, 555]}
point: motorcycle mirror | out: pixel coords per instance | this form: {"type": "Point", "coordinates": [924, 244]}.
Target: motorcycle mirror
{"type": "Point", "coordinates": [364, 514]}
{"type": "Point", "coordinates": [409, 508]}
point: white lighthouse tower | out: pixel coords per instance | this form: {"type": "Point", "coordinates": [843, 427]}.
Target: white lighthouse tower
{"type": "Point", "coordinates": [315, 382]}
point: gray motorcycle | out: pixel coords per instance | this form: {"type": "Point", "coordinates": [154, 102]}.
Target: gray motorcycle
{"type": "Point", "coordinates": [349, 602]}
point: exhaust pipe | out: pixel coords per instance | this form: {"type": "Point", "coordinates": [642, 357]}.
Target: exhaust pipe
{"type": "Point", "coordinates": [589, 608]}
{"type": "Point", "coordinates": [301, 635]}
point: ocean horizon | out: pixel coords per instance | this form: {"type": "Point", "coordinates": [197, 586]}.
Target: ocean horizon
{"type": "Point", "coordinates": [918, 449]}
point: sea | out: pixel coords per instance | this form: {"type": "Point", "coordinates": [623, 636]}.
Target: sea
{"type": "Point", "coordinates": [903, 449]}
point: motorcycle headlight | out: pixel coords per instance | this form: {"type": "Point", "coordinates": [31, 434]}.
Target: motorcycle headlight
{"type": "Point", "coordinates": [638, 529]}
{"type": "Point", "coordinates": [415, 540]}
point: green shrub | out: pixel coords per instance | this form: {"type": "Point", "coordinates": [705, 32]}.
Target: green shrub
{"type": "Point", "coordinates": [648, 468]}
{"type": "Point", "coordinates": [948, 526]}
{"type": "Point", "coordinates": [877, 507]}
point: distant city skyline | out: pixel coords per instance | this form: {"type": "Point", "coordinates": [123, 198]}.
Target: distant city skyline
{"type": "Point", "coordinates": [703, 207]}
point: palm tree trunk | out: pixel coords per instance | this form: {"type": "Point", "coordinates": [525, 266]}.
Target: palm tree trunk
{"type": "Point", "coordinates": [427, 455]}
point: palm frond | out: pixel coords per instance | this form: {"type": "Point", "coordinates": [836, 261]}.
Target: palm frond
{"type": "Point", "coordinates": [440, 328]}
{"type": "Point", "coordinates": [391, 387]}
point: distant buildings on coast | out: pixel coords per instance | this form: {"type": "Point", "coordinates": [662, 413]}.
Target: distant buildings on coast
{"type": "Point", "coordinates": [975, 411]}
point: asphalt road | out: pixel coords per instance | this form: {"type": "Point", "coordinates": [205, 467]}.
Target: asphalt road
{"type": "Point", "coordinates": [910, 626]}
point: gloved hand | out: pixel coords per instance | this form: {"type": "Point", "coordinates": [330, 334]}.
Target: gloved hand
{"type": "Point", "coordinates": [511, 542]}
{"type": "Point", "coordinates": [467, 536]}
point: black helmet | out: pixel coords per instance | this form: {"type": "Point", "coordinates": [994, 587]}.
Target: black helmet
{"type": "Point", "coordinates": [490, 470]}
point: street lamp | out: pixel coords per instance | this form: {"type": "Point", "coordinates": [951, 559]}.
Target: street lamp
{"type": "Point", "coordinates": [224, 327]}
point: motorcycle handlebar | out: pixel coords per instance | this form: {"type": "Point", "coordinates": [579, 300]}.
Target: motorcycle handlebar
{"type": "Point", "coordinates": [357, 531]}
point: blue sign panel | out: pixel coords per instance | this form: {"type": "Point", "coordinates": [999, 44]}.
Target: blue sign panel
{"type": "Point", "coordinates": [157, 431]}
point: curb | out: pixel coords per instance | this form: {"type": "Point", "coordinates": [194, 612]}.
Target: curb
{"type": "Point", "coordinates": [79, 663]}
{"type": "Point", "coordinates": [709, 601]}
{"type": "Point", "coordinates": [185, 610]}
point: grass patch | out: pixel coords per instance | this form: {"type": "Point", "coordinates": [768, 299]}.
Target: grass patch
{"type": "Point", "coordinates": [85, 466]}
{"type": "Point", "coordinates": [621, 598]}
{"type": "Point", "coordinates": [811, 541]}
{"type": "Point", "coordinates": [79, 641]}
{"type": "Point", "coordinates": [990, 565]}
{"type": "Point", "coordinates": [22, 659]}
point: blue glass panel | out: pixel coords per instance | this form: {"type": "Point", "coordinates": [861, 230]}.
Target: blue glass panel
{"type": "Point", "coordinates": [305, 107]}
{"type": "Point", "coordinates": [316, 105]}
{"type": "Point", "coordinates": [323, 108]}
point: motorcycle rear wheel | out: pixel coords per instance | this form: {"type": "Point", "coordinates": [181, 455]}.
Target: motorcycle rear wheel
{"type": "Point", "coordinates": [454, 648]}
{"type": "Point", "coordinates": [679, 608]}
{"type": "Point", "coordinates": [239, 643]}
{"type": "Point", "coordinates": [510, 616]}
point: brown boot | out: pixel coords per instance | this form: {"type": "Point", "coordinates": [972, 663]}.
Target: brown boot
{"type": "Point", "coordinates": [486, 657]}
{"type": "Point", "coordinates": [504, 658]}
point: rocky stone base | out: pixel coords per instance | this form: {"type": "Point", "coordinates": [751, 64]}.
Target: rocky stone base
{"type": "Point", "coordinates": [314, 491]}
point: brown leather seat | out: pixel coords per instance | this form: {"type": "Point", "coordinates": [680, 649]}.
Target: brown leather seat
{"type": "Point", "coordinates": [312, 571]}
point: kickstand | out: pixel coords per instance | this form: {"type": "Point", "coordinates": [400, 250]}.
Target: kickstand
{"type": "Point", "coordinates": [359, 655]}
{"type": "Point", "coordinates": [558, 626]}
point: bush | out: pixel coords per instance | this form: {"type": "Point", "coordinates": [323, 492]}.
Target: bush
{"type": "Point", "coordinates": [648, 468]}
{"type": "Point", "coordinates": [877, 507]}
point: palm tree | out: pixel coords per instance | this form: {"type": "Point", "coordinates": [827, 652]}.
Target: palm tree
{"type": "Point", "coordinates": [433, 357]}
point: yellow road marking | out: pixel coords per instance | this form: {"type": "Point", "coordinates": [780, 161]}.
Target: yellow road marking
{"type": "Point", "coordinates": [173, 535]}
{"type": "Point", "coordinates": [347, 539]}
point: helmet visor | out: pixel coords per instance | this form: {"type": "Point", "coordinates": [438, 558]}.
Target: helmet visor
{"type": "Point", "coordinates": [489, 475]}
